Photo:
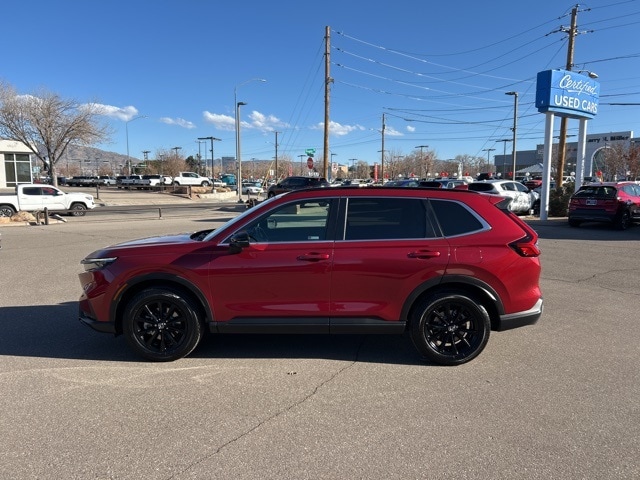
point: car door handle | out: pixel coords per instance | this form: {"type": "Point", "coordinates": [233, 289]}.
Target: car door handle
{"type": "Point", "coordinates": [424, 254]}
{"type": "Point", "coordinates": [313, 257]}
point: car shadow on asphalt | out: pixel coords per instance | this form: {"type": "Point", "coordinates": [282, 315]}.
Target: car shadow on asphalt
{"type": "Point", "coordinates": [54, 331]}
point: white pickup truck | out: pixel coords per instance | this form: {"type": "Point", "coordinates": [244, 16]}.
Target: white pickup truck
{"type": "Point", "coordinates": [35, 197]}
{"type": "Point", "coordinates": [191, 178]}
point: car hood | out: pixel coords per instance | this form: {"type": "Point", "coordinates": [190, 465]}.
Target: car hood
{"type": "Point", "coordinates": [161, 240]}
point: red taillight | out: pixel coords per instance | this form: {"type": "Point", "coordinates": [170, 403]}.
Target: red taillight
{"type": "Point", "coordinates": [527, 246]}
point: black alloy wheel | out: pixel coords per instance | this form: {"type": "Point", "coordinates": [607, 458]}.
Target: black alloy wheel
{"type": "Point", "coordinates": [450, 328]}
{"type": "Point", "coordinates": [623, 221]}
{"type": "Point", "coordinates": [162, 324]}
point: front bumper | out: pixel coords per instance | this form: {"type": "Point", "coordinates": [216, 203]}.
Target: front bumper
{"type": "Point", "coordinates": [103, 327]}
{"type": "Point", "coordinates": [520, 319]}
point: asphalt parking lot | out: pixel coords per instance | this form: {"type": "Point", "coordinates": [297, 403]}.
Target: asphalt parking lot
{"type": "Point", "coordinates": [555, 400]}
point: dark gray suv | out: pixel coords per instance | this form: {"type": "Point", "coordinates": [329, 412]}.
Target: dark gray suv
{"type": "Point", "coordinates": [296, 183]}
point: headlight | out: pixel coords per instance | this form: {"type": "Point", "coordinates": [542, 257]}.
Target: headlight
{"type": "Point", "coordinates": [97, 263]}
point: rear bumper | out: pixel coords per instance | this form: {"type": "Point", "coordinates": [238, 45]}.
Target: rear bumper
{"type": "Point", "coordinates": [585, 215]}
{"type": "Point", "coordinates": [520, 319]}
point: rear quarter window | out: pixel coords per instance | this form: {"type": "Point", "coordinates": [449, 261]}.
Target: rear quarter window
{"type": "Point", "coordinates": [456, 219]}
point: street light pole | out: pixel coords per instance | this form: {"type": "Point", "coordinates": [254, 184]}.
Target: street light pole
{"type": "Point", "coordinates": [421, 158]}
{"type": "Point", "coordinates": [238, 155]}
{"type": "Point", "coordinates": [515, 126]}
{"type": "Point", "coordinates": [205, 157]}
{"type": "Point", "coordinates": [331, 166]}
{"type": "Point", "coordinates": [353, 166]}
{"type": "Point", "coordinates": [237, 105]}
{"type": "Point", "coordinates": [488, 150]}
{"type": "Point", "coordinates": [126, 127]}
{"type": "Point", "coordinates": [504, 156]}
{"type": "Point", "coordinates": [301, 169]}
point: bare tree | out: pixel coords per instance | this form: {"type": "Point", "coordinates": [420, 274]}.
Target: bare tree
{"type": "Point", "coordinates": [47, 124]}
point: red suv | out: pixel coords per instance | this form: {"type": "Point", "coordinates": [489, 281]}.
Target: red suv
{"type": "Point", "coordinates": [447, 265]}
{"type": "Point", "coordinates": [617, 203]}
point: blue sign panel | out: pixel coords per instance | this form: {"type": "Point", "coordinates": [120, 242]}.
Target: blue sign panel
{"type": "Point", "coordinates": [567, 94]}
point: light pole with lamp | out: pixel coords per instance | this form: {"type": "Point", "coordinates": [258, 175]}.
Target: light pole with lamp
{"type": "Point", "coordinates": [504, 156]}
{"type": "Point", "coordinates": [353, 167]}
{"type": "Point", "coordinates": [200, 142]}
{"type": "Point", "coordinates": [237, 122]}
{"type": "Point", "coordinates": [488, 150]}
{"type": "Point", "coordinates": [514, 129]}
{"type": "Point", "coordinates": [126, 127]}
{"type": "Point", "coordinates": [421, 158]}
{"type": "Point", "coordinates": [238, 158]}
{"type": "Point", "coordinates": [331, 166]}
{"type": "Point", "coordinates": [301, 167]}
{"type": "Point", "coordinates": [212, 157]}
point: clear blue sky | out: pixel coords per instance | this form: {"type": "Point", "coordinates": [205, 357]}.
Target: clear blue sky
{"type": "Point", "coordinates": [437, 70]}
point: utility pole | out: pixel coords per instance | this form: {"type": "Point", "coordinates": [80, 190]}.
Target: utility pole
{"type": "Point", "coordinates": [562, 142]}
{"type": "Point", "coordinates": [422, 169]}
{"type": "Point", "coordinates": [382, 153]}
{"type": "Point", "coordinates": [276, 173]}
{"type": "Point", "coordinates": [327, 82]}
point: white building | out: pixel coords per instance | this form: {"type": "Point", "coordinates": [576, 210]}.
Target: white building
{"type": "Point", "coordinates": [15, 163]}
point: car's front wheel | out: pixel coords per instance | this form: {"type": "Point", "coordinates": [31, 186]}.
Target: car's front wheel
{"type": "Point", "coordinates": [78, 210]}
{"type": "Point", "coordinates": [162, 325]}
{"type": "Point", "coordinates": [450, 328]}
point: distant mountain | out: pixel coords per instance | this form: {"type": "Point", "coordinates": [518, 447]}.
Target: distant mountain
{"type": "Point", "coordinates": [80, 160]}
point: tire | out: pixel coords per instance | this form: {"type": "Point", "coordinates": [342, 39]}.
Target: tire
{"type": "Point", "coordinates": [162, 325]}
{"type": "Point", "coordinates": [177, 184]}
{"type": "Point", "coordinates": [204, 184]}
{"type": "Point", "coordinates": [7, 211]}
{"type": "Point", "coordinates": [78, 210]}
{"type": "Point", "coordinates": [450, 328]}
{"type": "Point", "coordinates": [623, 221]}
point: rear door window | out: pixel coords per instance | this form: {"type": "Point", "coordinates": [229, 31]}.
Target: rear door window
{"type": "Point", "coordinates": [385, 218]}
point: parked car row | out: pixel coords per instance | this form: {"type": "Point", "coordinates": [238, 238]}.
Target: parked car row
{"type": "Point", "coordinates": [89, 181]}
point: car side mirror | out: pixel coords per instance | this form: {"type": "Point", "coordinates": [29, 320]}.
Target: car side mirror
{"type": "Point", "coordinates": [239, 241]}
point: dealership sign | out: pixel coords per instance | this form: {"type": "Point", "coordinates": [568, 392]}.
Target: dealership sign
{"type": "Point", "coordinates": [567, 94]}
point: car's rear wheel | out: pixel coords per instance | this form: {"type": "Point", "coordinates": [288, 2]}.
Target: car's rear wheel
{"type": "Point", "coordinates": [7, 211]}
{"type": "Point", "coordinates": [450, 328]}
{"type": "Point", "coordinates": [623, 221]}
{"type": "Point", "coordinates": [162, 324]}
{"type": "Point", "coordinates": [78, 210]}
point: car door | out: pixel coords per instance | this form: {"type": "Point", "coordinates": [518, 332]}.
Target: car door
{"type": "Point", "coordinates": [53, 199]}
{"type": "Point", "coordinates": [387, 246]}
{"type": "Point", "coordinates": [282, 279]}
{"type": "Point", "coordinates": [30, 198]}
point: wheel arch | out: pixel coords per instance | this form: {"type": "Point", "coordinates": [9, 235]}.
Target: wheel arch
{"type": "Point", "coordinates": [474, 288]}
{"type": "Point", "coordinates": [162, 280]}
